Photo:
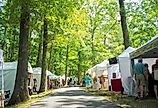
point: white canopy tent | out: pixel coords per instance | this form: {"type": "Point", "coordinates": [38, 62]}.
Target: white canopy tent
{"type": "Point", "coordinates": [53, 76]}
{"type": "Point", "coordinates": [100, 69]}
{"type": "Point", "coordinates": [148, 52]}
{"type": "Point", "coordinates": [125, 68]}
{"type": "Point", "coordinates": [9, 72]}
{"type": "Point", "coordinates": [37, 75]}
{"type": "Point", "coordinates": [104, 68]}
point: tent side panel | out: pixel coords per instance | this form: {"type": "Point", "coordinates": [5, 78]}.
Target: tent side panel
{"type": "Point", "coordinates": [113, 69]}
{"type": "Point", "coordinates": [125, 69]}
{"type": "Point", "coordinates": [9, 81]}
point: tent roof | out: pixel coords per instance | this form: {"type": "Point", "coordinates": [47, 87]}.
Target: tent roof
{"type": "Point", "coordinates": [53, 76]}
{"type": "Point", "coordinates": [37, 70]}
{"type": "Point", "coordinates": [126, 52]}
{"type": "Point", "coordinates": [148, 50]}
{"type": "Point", "coordinates": [13, 65]}
{"type": "Point", "coordinates": [101, 66]}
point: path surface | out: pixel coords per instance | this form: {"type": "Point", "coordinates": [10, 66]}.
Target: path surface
{"type": "Point", "coordinates": [72, 97]}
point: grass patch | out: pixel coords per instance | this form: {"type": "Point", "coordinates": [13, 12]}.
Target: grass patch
{"type": "Point", "coordinates": [34, 98]}
{"type": "Point", "coordinates": [124, 100]}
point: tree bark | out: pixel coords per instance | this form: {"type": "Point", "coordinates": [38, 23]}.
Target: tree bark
{"type": "Point", "coordinates": [50, 58]}
{"type": "Point", "coordinates": [38, 62]}
{"type": "Point", "coordinates": [5, 34]}
{"type": "Point", "coordinates": [4, 43]}
{"type": "Point", "coordinates": [20, 92]}
{"type": "Point", "coordinates": [43, 75]}
{"type": "Point", "coordinates": [66, 68]}
{"type": "Point", "coordinates": [93, 59]}
{"type": "Point", "coordinates": [79, 66]}
{"type": "Point", "coordinates": [124, 24]}
{"type": "Point", "coordinates": [12, 48]}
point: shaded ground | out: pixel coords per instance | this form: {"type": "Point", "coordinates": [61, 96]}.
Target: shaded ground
{"type": "Point", "coordinates": [72, 97]}
{"type": "Point", "coordinates": [126, 101]}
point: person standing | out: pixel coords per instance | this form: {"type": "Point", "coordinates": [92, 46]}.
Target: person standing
{"type": "Point", "coordinates": [147, 74]}
{"type": "Point", "coordinates": [35, 85]}
{"type": "Point", "coordinates": [88, 81]}
{"type": "Point", "coordinates": [155, 76]}
{"type": "Point", "coordinates": [102, 81]}
{"type": "Point", "coordinates": [140, 79]}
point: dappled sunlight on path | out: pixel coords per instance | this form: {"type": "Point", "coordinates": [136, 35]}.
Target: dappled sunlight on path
{"type": "Point", "coordinates": [72, 97]}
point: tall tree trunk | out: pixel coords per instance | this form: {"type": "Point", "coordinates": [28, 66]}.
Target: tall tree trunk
{"type": "Point", "coordinates": [93, 48]}
{"type": "Point", "coordinates": [29, 46]}
{"type": "Point", "coordinates": [20, 92]}
{"type": "Point", "coordinates": [4, 43]}
{"type": "Point", "coordinates": [79, 66]}
{"type": "Point", "coordinates": [12, 48]}
{"type": "Point", "coordinates": [4, 36]}
{"type": "Point", "coordinates": [50, 58]}
{"type": "Point", "coordinates": [66, 68]}
{"type": "Point", "coordinates": [60, 60]}
{"type": "Point", "coordinates": [38, 62]}
{"type": "Point", "coordinates": [124, 24]}
{"type": "Point", "coordinates": [43, 75]}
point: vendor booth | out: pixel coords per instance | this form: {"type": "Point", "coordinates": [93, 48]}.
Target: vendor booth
{"type": "Point", "coordinates": [9, 72]}
{"type": "Point", "coordinates": [101, 68]}
{"type": "Point", "coordinates": [148, 52]}
{"type": "Point", "coordinates": [114, 77]}
{"type": "Point", "coordinates": [99, 72]}
{"type": "Point", "coordinates": [104, 73]}
{"type": "Point", "coordinates": [37, 77]}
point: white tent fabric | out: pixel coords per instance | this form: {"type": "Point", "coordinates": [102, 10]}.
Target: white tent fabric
{"type": "Point", "coordinates": [126, 52]}
{"type": "Point", "coordinates": [37, 76]}
{"type": "Point", "coordinates": [9, 70]}
{"type": "Point", "coordinates": [1, 53]}
{"type": "Point", "coordinates": [38, 70]}
{"type": "Point", "coordinates": [125, 68]}
{"type": "Point", "coordinates": [105, 69]}
{"type": "Point", "coordinates": [53, 76]}
{"type": "Point", "coordinates": [114, 68]}
{"type": "Point", "coordinates": [1, 77]}
{"type": "Point", "coordinates": [101, 68]}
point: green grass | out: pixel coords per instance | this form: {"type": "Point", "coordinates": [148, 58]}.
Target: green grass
{"type": "Point", "coordinates": [124, 100]}
{"type": "Point", "coordinates": [34, 98]}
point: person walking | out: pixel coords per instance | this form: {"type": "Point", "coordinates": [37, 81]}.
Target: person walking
{"type": "Point", "coordinates": [140, 79]}
{"type": "Point", "coordinates": [155, 76]}
{"type": "Point", "coordinates": [88, 81]}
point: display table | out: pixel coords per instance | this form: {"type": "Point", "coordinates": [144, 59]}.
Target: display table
{"type": "Point", "coordinates": [116, 85]}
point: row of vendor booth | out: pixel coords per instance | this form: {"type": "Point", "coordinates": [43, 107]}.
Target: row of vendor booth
{"type": "Point", "coordinates": [8, 72]}
{"type": "Point", "coordinates": [118, 71]}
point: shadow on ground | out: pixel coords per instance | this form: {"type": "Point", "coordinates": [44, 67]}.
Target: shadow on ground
{"type": "Point", "coordinates": [78, 99]}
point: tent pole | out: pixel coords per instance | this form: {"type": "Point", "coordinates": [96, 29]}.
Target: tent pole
{"type": "Point", "coordinates": [2, 91]}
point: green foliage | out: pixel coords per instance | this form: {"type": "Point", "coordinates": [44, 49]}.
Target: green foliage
{"type": "Point", "coordinates": [72, 23]}
{"type": "Point", "coordinates": [142, 20]}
